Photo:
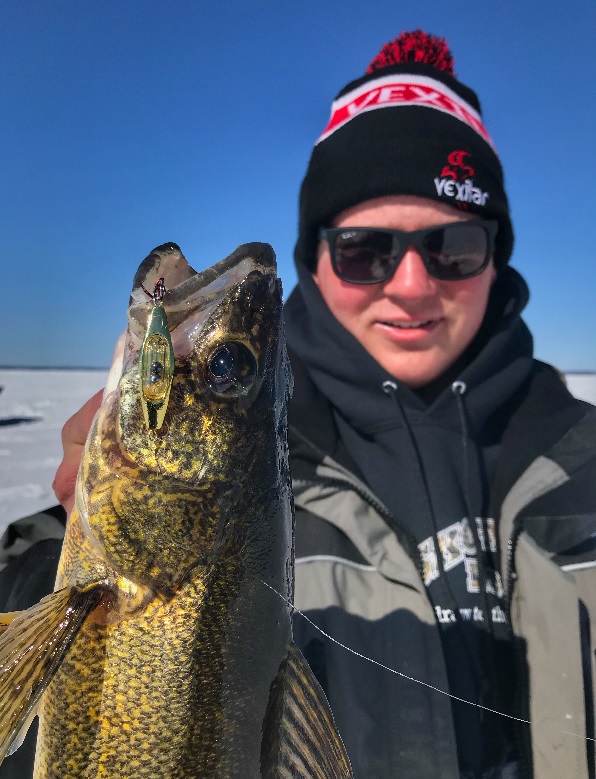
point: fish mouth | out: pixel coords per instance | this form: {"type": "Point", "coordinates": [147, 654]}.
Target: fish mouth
{"type": "Point", "coordinates": [191, 297]}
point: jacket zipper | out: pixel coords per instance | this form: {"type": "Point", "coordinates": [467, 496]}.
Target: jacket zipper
{"type": "Point", "coordinates": [521, 731]}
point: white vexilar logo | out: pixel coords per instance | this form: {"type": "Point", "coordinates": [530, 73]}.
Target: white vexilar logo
{"type": "Point", "coordinates": [465, 192]}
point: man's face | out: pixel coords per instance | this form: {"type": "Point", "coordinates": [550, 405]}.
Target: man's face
{"type": "Point", "coordinates": [445, 315]}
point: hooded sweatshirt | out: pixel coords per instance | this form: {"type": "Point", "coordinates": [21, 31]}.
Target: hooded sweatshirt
{"type": "Point", "coordinates": [430, 457]}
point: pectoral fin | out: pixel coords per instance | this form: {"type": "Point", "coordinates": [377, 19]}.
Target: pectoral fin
{"type": "Point", "coordinates": [31, 649]}
{"type": "Point", "coordinates": [299, 736]}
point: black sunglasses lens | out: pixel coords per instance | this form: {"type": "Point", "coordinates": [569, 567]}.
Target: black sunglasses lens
{"type": "Point", "coordinates": [456, 251]}
{"type": "Point", "coordinates": [363, 256]}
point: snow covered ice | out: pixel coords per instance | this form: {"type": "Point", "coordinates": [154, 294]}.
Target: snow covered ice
{"type": "Point", "coordinates": [34, 405]}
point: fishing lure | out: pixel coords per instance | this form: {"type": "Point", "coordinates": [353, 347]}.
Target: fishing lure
{"type": "Point", "coordinates": [156, 361]}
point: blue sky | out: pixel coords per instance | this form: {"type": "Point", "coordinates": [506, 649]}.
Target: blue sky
{"type": "Point", "coordinates": [128, 123]}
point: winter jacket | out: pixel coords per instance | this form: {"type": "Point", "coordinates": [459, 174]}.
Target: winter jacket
{"type": "Point", "coordinates": [376, 647]}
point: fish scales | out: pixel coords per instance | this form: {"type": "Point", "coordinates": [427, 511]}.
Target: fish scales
{"type": "Point", "coordinates": [178, 558]}
{"type": "Point", "coordinates": [143, 702]}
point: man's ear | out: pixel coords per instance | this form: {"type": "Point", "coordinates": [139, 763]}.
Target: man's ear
{"type": "Point", "coordinates": [320, 249]}
{"type": "Point", "coordinates": [493, 273]}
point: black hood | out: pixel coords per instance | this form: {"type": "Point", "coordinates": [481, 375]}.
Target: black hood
{"type": "Point", "coordinates": [493, 366]}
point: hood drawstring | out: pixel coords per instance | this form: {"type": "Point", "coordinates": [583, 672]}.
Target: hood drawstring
{"type": "Point", "coordinates": [391, 388]}
{"type": "Point", "coordinates": [458, 389]}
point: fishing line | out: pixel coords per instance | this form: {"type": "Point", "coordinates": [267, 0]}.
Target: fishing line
{"type": "Point", "coordinates": [405, 676]}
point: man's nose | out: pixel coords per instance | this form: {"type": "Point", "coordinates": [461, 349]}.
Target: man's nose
{"type": "Point", "coordinates": [411, 279]}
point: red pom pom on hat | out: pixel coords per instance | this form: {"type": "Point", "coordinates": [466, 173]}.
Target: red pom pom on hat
{"type": "Point", "coordinates": [416, 46]}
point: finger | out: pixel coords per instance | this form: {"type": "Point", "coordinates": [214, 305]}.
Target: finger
{"type": "Point", "coordinates": [74, 435]}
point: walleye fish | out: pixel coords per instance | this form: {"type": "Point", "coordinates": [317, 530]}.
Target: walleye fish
{"type": "Point", "coordinates": [166, 650]}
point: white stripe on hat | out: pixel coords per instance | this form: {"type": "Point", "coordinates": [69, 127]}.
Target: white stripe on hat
{"type": "Point", "coordinates": [403, 89]}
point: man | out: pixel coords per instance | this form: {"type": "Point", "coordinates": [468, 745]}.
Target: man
{"type": "Point", "coordinates": [441, 475]}
{"type": "Point", "coordinates": [443, 479]}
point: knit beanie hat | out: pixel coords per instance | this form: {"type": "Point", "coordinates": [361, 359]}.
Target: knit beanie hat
{"type": "Point", "coordinates": [407, 127]}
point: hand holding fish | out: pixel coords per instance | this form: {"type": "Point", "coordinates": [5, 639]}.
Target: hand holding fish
{"type": "Point", "coordinates": [75, 432]}
{"type": "Point", "coordinates": [74, 435]}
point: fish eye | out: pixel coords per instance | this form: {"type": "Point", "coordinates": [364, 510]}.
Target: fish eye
{"type": "Point", "coordinates": [221, 364]}
{"type": "Point", "coordinates": [231, 369]}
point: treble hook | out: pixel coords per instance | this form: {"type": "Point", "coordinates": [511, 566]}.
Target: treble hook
{"type": "Point", "coordinates": [159, 291]}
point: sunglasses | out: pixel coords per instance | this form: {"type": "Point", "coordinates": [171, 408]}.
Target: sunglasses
{"type": "Point", "coordinates": [450, 252]}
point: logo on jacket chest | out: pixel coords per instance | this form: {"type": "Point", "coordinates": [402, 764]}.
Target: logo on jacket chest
{"type": "Point", "coordinates": [457, 547]}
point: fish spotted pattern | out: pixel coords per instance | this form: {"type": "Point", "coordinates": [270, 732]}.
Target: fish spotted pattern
{"type": "Point", "coordinates": [162, 652]}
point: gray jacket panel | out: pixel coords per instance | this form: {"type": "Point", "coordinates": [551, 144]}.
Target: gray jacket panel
{"type": "Point", "coordinates": [545, 615]}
